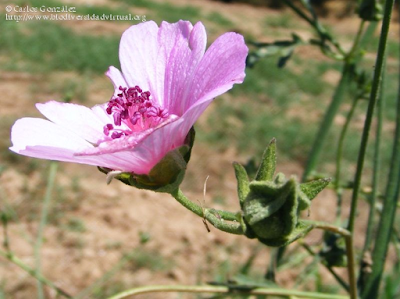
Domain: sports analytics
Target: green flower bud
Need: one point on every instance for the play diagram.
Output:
(333, 253)
(370, 10)
(271, 204)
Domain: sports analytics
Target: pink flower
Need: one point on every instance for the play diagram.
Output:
(167, 81)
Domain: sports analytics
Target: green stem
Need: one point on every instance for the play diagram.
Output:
(351, 262)
(339, 189)
(357, 40)
(351, 60)
(42, 224)
(86, 293)
(370, 112)
(12, 258)
(6, 243)
(321, 31)
(330, 269)
(299, 12)
(386, 222)
(327, 121)
(224, 290)
(376, 171)
(215, 217)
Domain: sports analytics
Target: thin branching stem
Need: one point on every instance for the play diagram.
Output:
(219, 219)
(321, 31)
(106, 277)
(370, 111)
(350, 61)
(327, 121)
(376, 171)
(385, 228)
(42, 224)
(329, 268)
(225, 290)
(372, 198)
(6, 242)
(355, 47)
(351, 262)
(339, 156)
(15, 260)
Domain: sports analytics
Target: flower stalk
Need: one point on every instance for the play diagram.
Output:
(219, 219)
(229, 290)
(15, 260)
(42, 224)
(376, 82)
(385, 228)
(339, 155)
(351, 261)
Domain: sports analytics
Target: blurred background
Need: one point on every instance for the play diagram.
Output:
(100, 239)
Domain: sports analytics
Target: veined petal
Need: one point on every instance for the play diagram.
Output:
(138, 53)
(155, 146)
(76, 118)
(117, 79)
(28, 132)
(168, 34)
(125, 143)
(39, 138)
(182, 61)
(171, 63)
(222, 66)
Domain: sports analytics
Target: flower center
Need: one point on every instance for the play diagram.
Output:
(132, 111)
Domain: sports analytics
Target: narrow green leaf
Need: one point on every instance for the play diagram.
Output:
(312, 188)
(324, 129)
(268, 164)
(242, 182)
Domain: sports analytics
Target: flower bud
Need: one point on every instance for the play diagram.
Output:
(370, 10)
(333, 253)
(271, 205)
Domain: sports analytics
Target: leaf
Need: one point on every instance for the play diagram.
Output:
(242, 182)
(267, 167)
(282, 49)
(312, 188)
(283, 59)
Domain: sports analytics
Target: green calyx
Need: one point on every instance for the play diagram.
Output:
(271, 204)
(333, 252)
(166, 175)
(370, 10)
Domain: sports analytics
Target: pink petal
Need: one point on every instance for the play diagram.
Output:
(125, 143)
(75, 118)
(182, 60)
(168, 34)
(156, 145)
(138, 52)
(36, 131)
(170, 63)
(222, 66)
(117, 79)
(39, 138)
